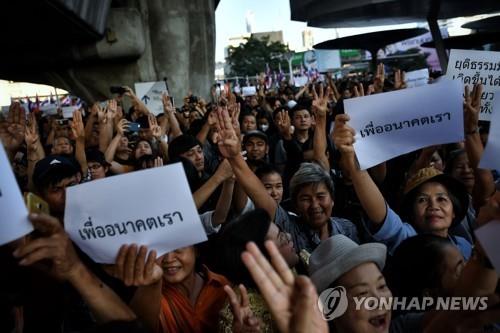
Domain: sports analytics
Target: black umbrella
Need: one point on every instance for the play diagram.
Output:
(371, 42)
(487, 24)
(466, 42)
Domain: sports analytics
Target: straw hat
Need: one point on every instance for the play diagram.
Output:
(452, 185)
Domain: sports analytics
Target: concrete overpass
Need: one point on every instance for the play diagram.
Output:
(85, 46)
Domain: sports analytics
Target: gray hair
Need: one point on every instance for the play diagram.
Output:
(309, 173)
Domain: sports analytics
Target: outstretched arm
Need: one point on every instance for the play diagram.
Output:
(55, 247)
(320, 109)
(484, 186)
(369, 195)
(230, 148)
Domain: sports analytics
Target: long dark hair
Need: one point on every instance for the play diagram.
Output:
(251, 226)
(416, 266)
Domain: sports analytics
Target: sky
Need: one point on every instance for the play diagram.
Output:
(271, 15)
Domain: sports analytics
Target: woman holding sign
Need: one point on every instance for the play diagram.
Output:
(433, 202)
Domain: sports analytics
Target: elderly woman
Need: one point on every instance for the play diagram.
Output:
(176, 293)
(433, 202)
(311, 190)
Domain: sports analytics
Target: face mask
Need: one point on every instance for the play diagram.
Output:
(264, 127)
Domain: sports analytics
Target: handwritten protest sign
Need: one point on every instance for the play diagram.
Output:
(488, 237)
(13, 213)
(153, 207)
(491, 154)
(417, 78)
(398, 122)
(474, 67)
(150, 94)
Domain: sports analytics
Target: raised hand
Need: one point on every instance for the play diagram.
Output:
(77, 126)
(167, 103)
(284, 124)
(378, 82)
(54, 246)
(101, 114)
(234, 111)
(472, 107)
(224, 170)
(158, 162)
(135, 267)
(343, 135)
(31, 135)
(320, 102)
(243, 318)
(228, 141)
(359, 90)
(156, 129)
(278, 287)
(399, 80)
(122, 127)
(13, 128)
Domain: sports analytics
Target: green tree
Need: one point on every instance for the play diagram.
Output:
(251, 58)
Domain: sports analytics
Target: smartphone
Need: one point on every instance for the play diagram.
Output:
(36, 204)
(117, 90)
(134, 127)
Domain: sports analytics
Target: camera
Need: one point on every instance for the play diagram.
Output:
(62, 122)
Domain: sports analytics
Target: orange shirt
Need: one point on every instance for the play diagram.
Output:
(179, 315)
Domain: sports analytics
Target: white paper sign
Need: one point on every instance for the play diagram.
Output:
(150, 94)
(14, 221)
(300, 81)
(417, 78)
(398, 122)
(49, 109)
(488, 236)
(67, 111)
(474, 67)
(491, 154)
(152, 207)
(249, 91)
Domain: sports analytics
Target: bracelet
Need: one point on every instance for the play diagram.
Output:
(474, 131)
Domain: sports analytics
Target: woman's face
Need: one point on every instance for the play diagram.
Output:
(283, 241)
(274, 186)
(179, 265)
(365, 280)
(462, 171)
(314, 205)
(248, 124)
(142, 148)
(433, 209)
(97, 170)
(437, 161)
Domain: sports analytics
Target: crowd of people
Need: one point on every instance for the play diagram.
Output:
(287, 210)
